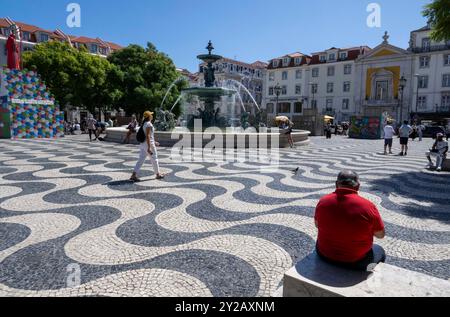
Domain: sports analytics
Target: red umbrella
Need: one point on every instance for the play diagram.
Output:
(12, 53)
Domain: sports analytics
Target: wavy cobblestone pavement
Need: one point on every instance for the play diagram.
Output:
(209, 229)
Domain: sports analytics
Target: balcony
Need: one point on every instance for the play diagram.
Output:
(433, 48)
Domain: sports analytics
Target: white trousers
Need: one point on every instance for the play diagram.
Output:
(143, 156)
(439, 158)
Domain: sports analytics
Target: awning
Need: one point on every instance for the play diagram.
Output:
(281, 119)
(328, 118)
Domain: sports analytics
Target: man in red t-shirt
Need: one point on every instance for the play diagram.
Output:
(347, 224)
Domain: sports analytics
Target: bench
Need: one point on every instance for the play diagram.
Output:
(312, 277)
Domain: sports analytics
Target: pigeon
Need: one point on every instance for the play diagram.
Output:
(296, 170)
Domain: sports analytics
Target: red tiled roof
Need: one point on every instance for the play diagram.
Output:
(352, 54)
(55, 34)
(305, 59)
(257, 64)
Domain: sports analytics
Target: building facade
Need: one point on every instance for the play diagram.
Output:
(249, 75)
(387, 81)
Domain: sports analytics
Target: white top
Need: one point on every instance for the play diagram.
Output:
(147, 125)
(405, 131)
(389, 132)
(441, 146)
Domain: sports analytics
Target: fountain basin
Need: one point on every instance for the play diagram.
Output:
(197, 139)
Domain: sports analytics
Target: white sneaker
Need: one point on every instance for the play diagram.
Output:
(430, 166)
(439, 169)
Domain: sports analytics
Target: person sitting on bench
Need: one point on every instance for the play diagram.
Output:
(347, 224)
(439, 150)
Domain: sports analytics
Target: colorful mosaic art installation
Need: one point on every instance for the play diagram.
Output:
(33, 110)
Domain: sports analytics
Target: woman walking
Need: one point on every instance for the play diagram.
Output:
(147, 147)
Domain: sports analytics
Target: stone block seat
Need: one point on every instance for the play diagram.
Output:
(446, 164)
(313, 277)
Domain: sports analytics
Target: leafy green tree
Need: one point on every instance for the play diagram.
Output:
(143, 75)
(74, 76)
(438, 14)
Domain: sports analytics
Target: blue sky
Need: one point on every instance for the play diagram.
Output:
(248, 30)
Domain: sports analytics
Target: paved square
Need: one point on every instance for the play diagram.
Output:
(206, 230)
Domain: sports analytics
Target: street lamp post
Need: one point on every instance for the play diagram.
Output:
(277, 91)
(313, 94)
(418, 87)
(402, 86)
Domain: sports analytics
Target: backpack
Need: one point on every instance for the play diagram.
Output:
(140, 136)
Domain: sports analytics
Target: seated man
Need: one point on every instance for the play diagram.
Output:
(440, 150)
(347, 224)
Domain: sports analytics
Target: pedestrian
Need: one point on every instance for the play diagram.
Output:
(328, 130)
(92, 127)
(404, 133)
(287, 126)
(148, 146)
(420, 130)
(439, 150)
(389, 133)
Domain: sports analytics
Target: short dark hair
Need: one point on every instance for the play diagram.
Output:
(348, 179)
(406, 122)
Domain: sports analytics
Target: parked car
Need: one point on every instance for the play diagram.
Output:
(432, 131)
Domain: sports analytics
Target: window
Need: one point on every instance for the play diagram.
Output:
(445, 100)
(284, 90)
(315, 72)
(424, 62)
(298, 74)
(270, 108)
(314, 88)
(44, 37)
(298, 107)
(426, 43)
(284, 107)
(330, 88)
(343, 55)
(330, 71)
(347, 69)
(332, 57)
(422, 102)
(298, 60)
(323, 58)
(26, 36)
(298, 89)
(94, 48)
(345, 104)
(271, 91)
(275, 63)
(271, 76)
(423, 82)
(284, 76)
(314, 103)
(347, 86)
(446, 80)
(447, 60)
(286, 61)
(329, 103)
(103, 51)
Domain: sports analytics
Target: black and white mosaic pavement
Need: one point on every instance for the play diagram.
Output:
(72, 225)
